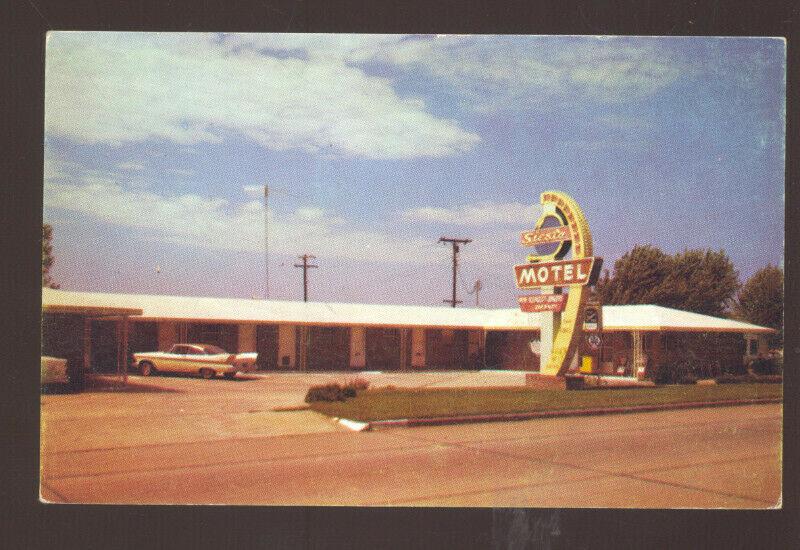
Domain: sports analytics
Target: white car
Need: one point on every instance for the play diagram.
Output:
(54, 371)
(203, 359)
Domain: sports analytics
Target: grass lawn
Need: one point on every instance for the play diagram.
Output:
(391, 404)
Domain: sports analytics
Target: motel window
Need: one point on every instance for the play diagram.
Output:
(752, 347)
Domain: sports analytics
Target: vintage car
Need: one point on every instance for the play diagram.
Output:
(203, 359)
(55, 372)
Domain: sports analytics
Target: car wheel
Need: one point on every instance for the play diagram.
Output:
(207, 373)
(229, 375)
(146, 369)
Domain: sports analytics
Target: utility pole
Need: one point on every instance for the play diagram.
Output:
(476, 290)
(455, 243)
(306, 266)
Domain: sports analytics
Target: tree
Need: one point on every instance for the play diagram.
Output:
(760, 300)
(702, 281)
(638, 278)
(47, 256)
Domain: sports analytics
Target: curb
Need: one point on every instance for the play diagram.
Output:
(291, 408)
(440, 421)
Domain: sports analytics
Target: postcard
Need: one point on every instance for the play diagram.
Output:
(413, 270)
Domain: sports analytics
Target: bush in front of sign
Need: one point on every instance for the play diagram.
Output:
(336, 392)
(328, 392)
(767, 366)
(680, 372)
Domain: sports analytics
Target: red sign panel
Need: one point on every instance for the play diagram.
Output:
(560, 273)
(535, 303)
(545, 235)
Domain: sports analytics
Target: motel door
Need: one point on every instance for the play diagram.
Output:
(267, 346)
(104, 346)
(329, 348)
(447, 349)
(383, 348)
(222, 335)
(143, 337)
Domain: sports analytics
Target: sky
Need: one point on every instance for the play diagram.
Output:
(158, 147)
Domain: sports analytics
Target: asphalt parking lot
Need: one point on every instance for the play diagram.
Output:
(187, 440)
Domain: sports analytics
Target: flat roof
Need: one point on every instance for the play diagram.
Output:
(243, 310)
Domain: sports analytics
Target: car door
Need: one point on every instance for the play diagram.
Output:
(173, 359)
(194, 360)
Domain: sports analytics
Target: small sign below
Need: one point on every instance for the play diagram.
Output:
(535, 303)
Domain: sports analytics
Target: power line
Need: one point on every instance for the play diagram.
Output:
(306, 266)
(455, 243)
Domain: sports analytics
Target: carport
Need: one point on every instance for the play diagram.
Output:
(75, 332)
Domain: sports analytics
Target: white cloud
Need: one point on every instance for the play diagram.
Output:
(492, 73)
(253, 190)
(215, 223)
(130, 166)
(482, 214)
(188, 88)
(349, 47)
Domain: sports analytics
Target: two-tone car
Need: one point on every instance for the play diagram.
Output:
(204, 359)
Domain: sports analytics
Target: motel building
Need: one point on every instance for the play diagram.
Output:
(98, 332)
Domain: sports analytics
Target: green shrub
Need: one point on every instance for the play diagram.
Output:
(325, 392)
(336, 392)
(682, 372)
(767, 366)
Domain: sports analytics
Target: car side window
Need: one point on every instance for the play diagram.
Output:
(194, 351)
(178, 350)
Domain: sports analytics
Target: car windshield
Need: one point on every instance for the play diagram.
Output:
(213, 350)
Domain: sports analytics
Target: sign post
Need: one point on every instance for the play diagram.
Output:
(561, 229)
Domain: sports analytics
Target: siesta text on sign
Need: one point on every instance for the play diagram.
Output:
(545, 235)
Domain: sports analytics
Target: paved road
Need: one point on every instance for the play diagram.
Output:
(217, 452)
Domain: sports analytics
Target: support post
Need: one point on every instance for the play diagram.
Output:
(403, 348)
(358, 354)
(550, 323)
(125, 326)
(638, 355)
(87, 345)
(287, 336)
(418, 348)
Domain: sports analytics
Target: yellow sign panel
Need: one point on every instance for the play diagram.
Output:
(568, 213)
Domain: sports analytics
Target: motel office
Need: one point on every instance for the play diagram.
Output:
(97, 332)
